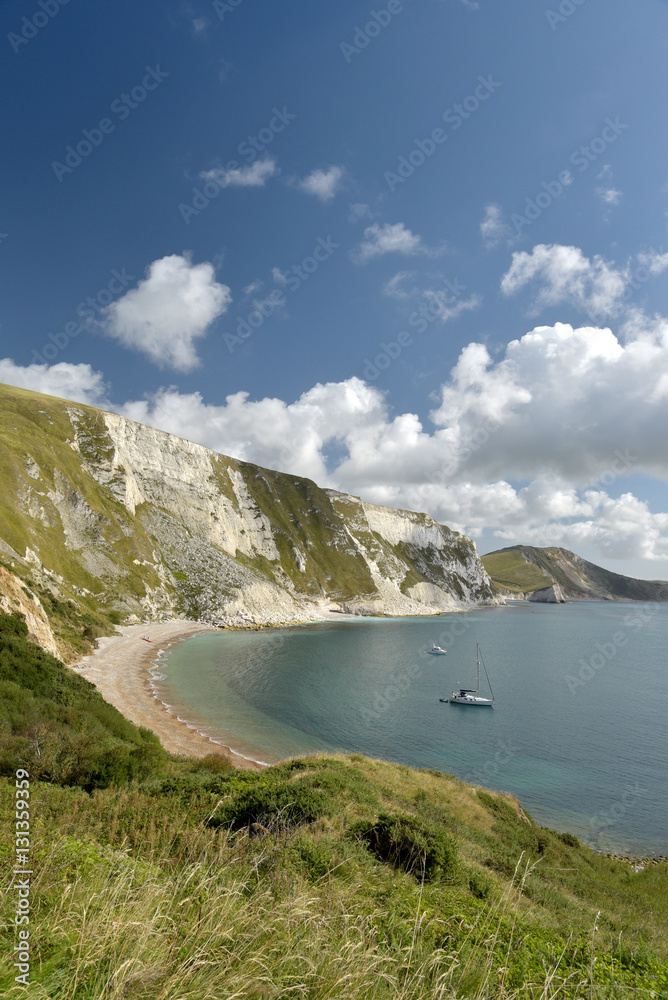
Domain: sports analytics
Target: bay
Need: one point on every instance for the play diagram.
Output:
(578, 731)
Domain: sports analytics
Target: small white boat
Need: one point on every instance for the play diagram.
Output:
(467, 696)
(436, 650)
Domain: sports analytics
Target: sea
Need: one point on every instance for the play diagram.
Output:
(578, 731)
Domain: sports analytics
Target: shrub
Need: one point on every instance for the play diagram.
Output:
(418, 847)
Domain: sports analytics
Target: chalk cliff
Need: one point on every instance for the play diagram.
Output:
(114, 515)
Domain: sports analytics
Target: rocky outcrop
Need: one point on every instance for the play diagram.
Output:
(15, 598)
(548, 595)
(127, 517)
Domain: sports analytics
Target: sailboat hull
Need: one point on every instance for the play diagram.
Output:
(471, 700)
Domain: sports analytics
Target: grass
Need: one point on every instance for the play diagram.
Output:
(510, 570)
(165, 891)
(163, 878)
(56, 724)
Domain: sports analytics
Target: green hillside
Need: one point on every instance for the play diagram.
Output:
(527, 568)
(509, 569)
(56, 724)
(330, 876)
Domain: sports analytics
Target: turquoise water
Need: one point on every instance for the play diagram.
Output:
(578, 730)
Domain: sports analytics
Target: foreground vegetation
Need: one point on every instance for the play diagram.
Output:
(325, 877)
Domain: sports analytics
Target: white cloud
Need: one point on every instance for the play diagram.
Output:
(565, 411)
(323, 184)
(524, 446)
(379, 240)
(493, 227)
(256, 175)
(596, 286)
(609, 196)
(443, 303)
(168, 311)
(395, 287)
(605, 192)
(64, 380)
(445, 306)
(358, 211)
(654, 261)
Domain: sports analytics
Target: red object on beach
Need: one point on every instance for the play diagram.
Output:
(146, 640)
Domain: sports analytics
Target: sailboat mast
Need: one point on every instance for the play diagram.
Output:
(477, 664)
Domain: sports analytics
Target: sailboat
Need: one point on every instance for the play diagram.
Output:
(466, 696)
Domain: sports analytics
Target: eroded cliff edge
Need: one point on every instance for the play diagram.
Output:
(118, 516)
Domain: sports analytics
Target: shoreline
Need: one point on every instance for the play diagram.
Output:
(120, 668)
(122, 665)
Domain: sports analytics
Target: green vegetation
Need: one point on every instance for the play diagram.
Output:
(509, 569)
(324, 877)
(55, 724)
(162, 878)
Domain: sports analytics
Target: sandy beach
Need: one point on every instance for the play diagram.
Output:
(119, 669)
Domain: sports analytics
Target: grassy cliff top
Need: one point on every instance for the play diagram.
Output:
(509, 569)
(328, 876)
(528, 568)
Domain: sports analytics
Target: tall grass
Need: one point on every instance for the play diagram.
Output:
(137, 896)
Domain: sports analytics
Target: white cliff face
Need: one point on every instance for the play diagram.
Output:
(548, 595)
(160, 526)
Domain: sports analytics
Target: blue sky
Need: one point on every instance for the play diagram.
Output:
(414, 250)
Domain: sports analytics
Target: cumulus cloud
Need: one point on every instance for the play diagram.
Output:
(256, 175)
(564, 411)
(323, 184)
(494, 227)
(523, 445)
(380, 240)
(655, 262)
(565, 275)
(168, 311)
(560, 405)
(66, 381)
